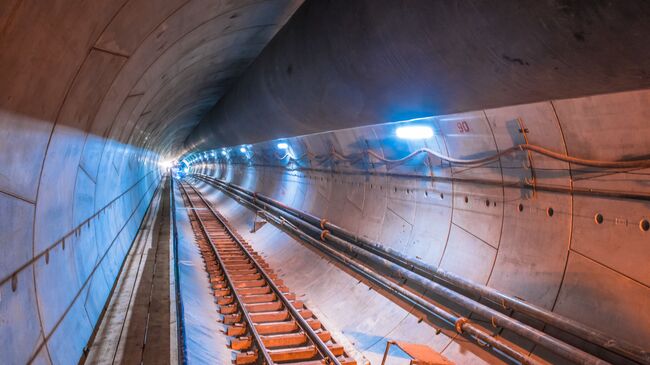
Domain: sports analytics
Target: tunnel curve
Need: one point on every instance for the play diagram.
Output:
(94, 95)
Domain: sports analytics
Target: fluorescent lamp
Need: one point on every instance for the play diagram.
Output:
(283, 146)
(242, 150)
(414, 132)
(223, 152)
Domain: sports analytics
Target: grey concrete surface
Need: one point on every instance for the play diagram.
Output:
(341, 64)
(95, 93)
(135, 326)
(565, 262)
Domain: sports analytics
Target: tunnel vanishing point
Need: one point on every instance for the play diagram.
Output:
(324, 182)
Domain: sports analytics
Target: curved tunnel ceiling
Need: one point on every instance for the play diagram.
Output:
(345, 64)
(93, 93)
(160, 64)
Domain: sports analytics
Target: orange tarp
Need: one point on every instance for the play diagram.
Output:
(422, 355)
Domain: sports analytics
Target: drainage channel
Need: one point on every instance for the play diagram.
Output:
(266, 322)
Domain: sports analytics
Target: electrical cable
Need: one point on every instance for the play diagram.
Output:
(353, 158)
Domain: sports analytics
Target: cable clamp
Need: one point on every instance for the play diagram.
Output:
(459, 324)
(323, 222)
(324, 234)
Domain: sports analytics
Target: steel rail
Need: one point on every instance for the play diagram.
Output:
(432, 272)
(551, 343)
(313, 336)
(462, 325)
(249, 320)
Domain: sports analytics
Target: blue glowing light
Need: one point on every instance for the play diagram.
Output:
(414, 132)
(223, 152)
(283, 146)
(242, 150)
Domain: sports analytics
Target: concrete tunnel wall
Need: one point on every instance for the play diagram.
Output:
(567, 262)
(93, 94)
(342, 64)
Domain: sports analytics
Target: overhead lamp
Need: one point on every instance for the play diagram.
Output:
(223, 152)
(414, 132)
(166, 164)
(242, 150)
(283, 146)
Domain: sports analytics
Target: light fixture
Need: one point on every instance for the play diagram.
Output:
(242, 150)
(414, 132)
(223, 152)
(166, 164)
(283, 146)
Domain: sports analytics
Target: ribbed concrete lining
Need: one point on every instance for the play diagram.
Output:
(93, 94)
(341, 64)
(567, 262)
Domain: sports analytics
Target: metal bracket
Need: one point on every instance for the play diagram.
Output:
(533, 179)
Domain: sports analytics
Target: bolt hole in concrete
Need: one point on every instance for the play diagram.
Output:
(644, 225)
(549, 211)
(442, 196)
(426, 193)
(520, 207)
(599, 218)
(487, 202)
(466, 200)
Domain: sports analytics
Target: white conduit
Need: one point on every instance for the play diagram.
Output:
(640, 163)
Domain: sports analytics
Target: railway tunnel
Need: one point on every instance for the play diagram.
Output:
(289, 182)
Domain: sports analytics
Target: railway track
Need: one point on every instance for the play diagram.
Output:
(265, 321)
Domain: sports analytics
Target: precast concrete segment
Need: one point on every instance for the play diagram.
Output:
(489, 223)
(388, 264)
(263, 317)
(135, 326)
(73, 279)
(330, 232)
(363, 315)
(89, 103)
(338, 64)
